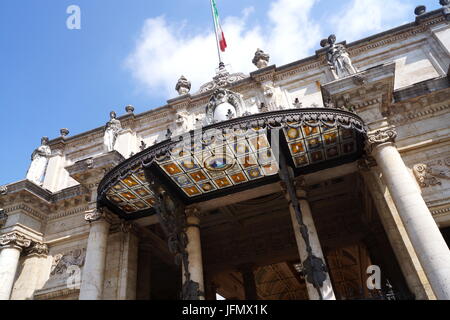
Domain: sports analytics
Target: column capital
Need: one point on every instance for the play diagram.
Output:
(94, 215)
(194, 212)
(14, 239)
(37, 249)
(379, 137)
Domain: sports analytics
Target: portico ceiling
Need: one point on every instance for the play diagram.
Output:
(231, 156)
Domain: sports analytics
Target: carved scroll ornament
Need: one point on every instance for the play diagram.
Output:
(428, 175)
(380, 137)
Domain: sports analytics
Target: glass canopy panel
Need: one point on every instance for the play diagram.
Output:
(312, 145)
(132, 193)
(234, 153)
(220, 162)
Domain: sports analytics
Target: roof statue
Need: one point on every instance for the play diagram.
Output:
(338, 58)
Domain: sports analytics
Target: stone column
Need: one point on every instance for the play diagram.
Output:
(11, 245)
(94, 267)
(249, 282)
(194, 249)
(396, 233)
(423, 232)
(326, 291)
(30, 278)
(128, 263)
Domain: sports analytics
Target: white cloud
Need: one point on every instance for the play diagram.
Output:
(164, 51)
(360, 18)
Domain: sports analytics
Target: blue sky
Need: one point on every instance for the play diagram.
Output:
(133, 51)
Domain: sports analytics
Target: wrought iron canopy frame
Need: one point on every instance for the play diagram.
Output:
(272, 121)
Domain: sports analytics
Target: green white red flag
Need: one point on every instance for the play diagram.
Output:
(219, 31)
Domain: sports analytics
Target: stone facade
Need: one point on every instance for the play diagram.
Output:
(402, 82)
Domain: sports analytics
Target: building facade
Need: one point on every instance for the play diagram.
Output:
(327, 178)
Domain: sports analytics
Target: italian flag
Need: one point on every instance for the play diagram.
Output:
(219, 31)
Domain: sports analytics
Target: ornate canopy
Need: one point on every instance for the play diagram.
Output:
(232, 156)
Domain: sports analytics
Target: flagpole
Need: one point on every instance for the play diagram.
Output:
(215, 31)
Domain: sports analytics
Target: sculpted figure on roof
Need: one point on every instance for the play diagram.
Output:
(112, 129)
(39, 161)
(338, 59)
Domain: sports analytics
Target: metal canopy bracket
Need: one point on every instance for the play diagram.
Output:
(171, 215)
(314, 268)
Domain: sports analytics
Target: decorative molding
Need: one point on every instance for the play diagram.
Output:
(27, 209)
(379, 137)
(66, 213)
(31, 187)
(223, 97)
(3, 190)
(367, 103)
(440, 211)
(222, 79)
(399, 37)
(408, 117)
(52, 294)
(15, 239)
(316, 65)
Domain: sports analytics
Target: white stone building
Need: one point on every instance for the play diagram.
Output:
(288, 184)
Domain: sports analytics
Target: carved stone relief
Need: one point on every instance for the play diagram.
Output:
(223, 105)
(62, 261)
(432, 173)
(272, 96)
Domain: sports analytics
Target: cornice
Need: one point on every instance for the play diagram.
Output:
(67, 213)
(415, 115)
(23, 207)
(390, 36)
(30, 187)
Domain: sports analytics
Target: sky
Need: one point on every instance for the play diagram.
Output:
(133, 52)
